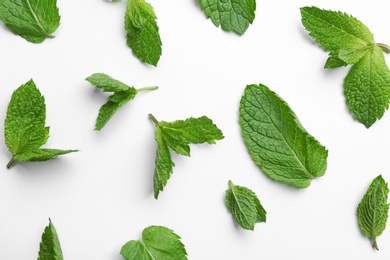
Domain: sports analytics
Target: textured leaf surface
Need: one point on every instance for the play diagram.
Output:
(373, 210)
(338, 32)
(158, 243)
(34, 20)
(24, 126)
(231, 15)
(178, 135)
(244, 206)
(276, 140)
(50, 248)
(367, 87)
(142, 31)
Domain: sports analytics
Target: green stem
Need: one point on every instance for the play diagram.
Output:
(384, 47)
(147, 88)
(9, 164)
(153, 119)
(374, 244)
(231, 185)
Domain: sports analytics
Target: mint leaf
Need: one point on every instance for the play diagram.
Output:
(158, 243)
(24, 126)
(232, 15)
(367, 87)
(178, 135)
(373, 210)
(34, 20)
(244, 206)
(142, 31)
(276, 140)
(122, 94)
(50, 248)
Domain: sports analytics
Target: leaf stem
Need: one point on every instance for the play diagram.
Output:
(374, 244)
(147, 88)
(384, 47)
(153, 119)
(231, 185)
(9, 164)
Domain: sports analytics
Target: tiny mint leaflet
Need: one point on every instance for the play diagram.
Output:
(373, 210)
(244, 206)
(24, 126)
(34, 20)
(276, 140)
(122, 94)
(231, 15)
(157, 243)
(177, 136)
(142, 31)
(349, 41)
(50, 248)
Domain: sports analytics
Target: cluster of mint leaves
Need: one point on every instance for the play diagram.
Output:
(275, 138)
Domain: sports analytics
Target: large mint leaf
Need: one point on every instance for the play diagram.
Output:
(231, 15)
(157, 243)
(276, 140)
(373, 210)
(34, 20)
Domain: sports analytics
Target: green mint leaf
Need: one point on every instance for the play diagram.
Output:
(178, 135)
(50, 248)
(24, 126)
(232, 15)
(34, 20)
(336, 31)
(142, 31)
(244, 206)
(276, 140)
(334, 61)
(157, 243)
(367, 87)
(373, 210)
(122, 95)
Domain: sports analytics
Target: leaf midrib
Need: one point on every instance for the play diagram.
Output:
(37, 19)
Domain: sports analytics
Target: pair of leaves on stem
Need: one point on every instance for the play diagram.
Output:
(367, 85)
(373, 210)
(143, 33)
(24, 128)
(276, 140)
(34, 20)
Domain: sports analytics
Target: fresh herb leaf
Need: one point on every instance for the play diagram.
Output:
(373, 210)
(158, 243)
(142, 31)
(178, 135)
(34, 20)
(367, 85)
(24, 126)
(122, 94)
(232, 15)
(50, 248)
(277, 141)
(244, 206)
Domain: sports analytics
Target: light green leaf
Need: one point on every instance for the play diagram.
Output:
(157, 243)
(24, 126)
(142, 31)
(232, 15)
(367, 87)
(34, 20)
(277, 141)
(334, 61)
(244, 206)
(373, 210)
(178, 135)
(122, 94)
(336, 31)
(50, 248)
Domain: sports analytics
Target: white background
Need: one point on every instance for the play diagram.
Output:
(101, 197)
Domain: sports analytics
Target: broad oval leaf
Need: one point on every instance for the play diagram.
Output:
(276, 140)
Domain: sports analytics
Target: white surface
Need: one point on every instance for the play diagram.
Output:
(101, 197)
